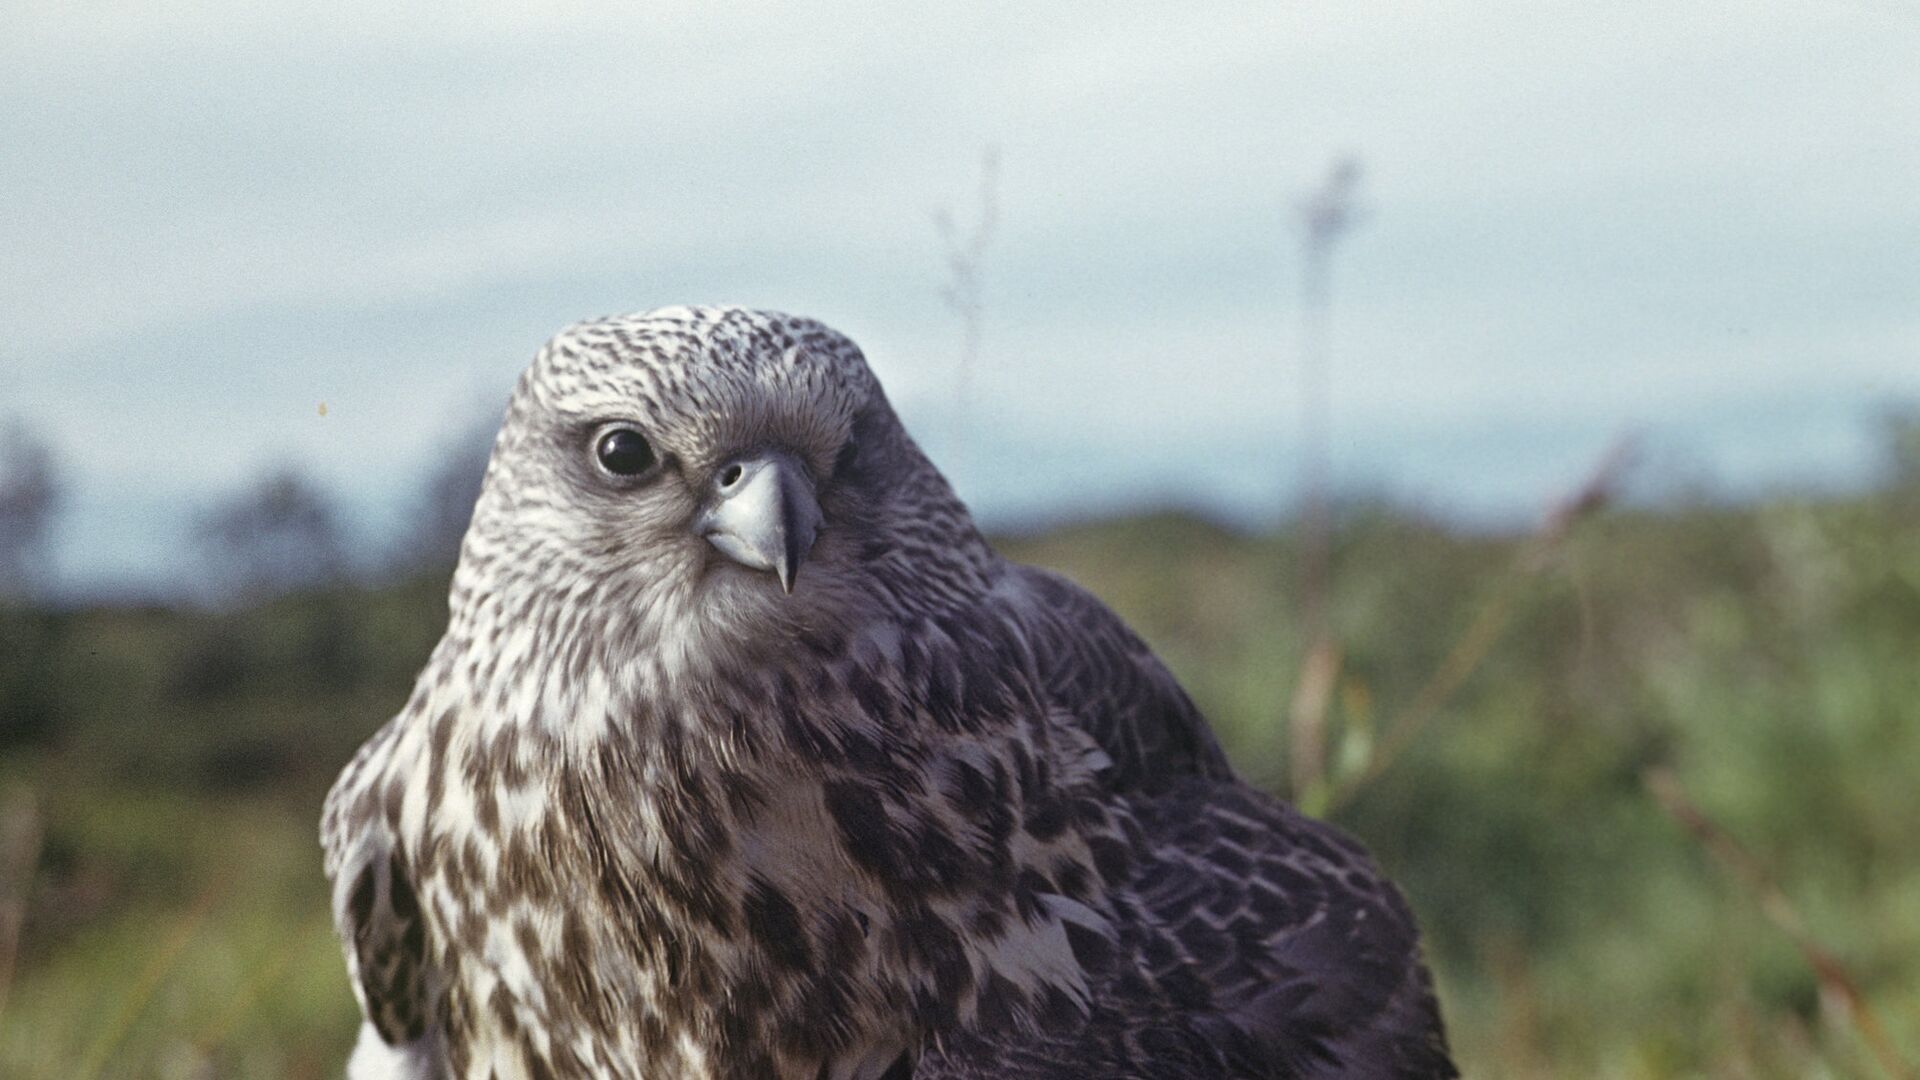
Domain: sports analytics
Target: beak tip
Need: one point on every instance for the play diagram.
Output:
(766, 519)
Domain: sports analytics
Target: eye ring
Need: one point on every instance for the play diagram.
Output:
(622, 450)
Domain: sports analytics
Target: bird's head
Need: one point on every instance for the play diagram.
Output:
(709, 469)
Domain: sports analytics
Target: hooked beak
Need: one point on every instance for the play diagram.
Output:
(763, 514)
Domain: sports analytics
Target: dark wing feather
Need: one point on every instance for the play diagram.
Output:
(1101, 673)
(387, 950)
(1269, 944)
(1115, 1043)
(1265, 945)
(375, 907)
(1303, 946)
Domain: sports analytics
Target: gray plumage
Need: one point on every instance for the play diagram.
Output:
(744, 755)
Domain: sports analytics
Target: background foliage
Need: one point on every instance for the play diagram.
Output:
(162, 911)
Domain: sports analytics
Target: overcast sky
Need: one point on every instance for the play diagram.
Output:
(1701, 220)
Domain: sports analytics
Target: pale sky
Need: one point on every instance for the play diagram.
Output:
(1697, 220)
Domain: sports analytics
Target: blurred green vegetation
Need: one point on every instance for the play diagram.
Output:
(161, 772)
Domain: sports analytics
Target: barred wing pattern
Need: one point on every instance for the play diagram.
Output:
(1252, 942)
(1117, 690)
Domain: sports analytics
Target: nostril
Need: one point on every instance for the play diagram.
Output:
(730, 476)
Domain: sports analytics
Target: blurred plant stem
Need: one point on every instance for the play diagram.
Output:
(111, 1035)
(263, 980)
(1328, 214)
(964, 291)
(1472, 647)
(1839, 991)
(1307, 717)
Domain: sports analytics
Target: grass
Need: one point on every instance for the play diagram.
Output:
(176, 935)
(1762, 661)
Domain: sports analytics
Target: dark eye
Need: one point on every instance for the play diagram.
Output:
(624, 452)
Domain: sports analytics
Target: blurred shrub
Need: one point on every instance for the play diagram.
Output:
(280, 533)
(30, 640)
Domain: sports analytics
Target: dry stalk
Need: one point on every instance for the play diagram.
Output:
(1307, 718)
(1328, 214)
(255, 989)
(1838, 988)
(964, 291)
(1473, 646)
(111, 1035)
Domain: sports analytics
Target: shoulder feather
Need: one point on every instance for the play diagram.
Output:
(1098, 671)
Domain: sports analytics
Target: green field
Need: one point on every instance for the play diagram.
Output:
(161, 772)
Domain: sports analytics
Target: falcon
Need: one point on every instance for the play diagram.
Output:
(744, 755)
